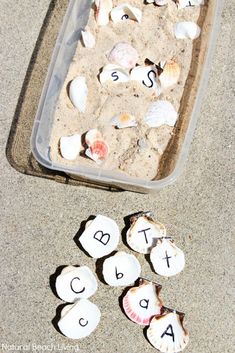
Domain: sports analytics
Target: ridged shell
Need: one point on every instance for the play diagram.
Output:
(78, 92)
(187, 30)
(125, 12)
(142, 303)
(148, 76)
(170, 75)
(70, 146)
(88, 39)
(103, 9)
(167, 259)
(123, 54)
(167, 334)
(100, 237)
(98, 151)
(113, 73)
(159, 113)
(75, 283)
(124, 120)
(186, 3)
(79, 320)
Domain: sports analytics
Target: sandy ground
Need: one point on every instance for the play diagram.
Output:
(39, 219)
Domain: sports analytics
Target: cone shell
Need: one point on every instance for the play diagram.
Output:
(143, 233)
(167, 259)
(122, 269)
(75, 283)
(103, 9)
(161, 112)
(167, 334)
(114, 74)
(187, 30)
(88, 39)
(78, 92)
(124, 120)
(170, 75)
(79, 320)
(186, 3)
(123, 54)
(70, 146)
(142, 303)
(125, 12)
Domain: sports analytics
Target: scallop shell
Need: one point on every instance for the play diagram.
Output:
(79, 320)
(78, 92)
(167, 259)
(124, 120)
(100, 237)
(75, 283)
(88, 39)
(170, 75)
(186, 3)
(103, 9)
(70, 146)
(159, 113)
(167, 333)
(187, 30)
(123, 54)
(142, 303)
(92, 135)
(98, 151)
(122, 269)
(144, 232)
(113, 73)
(125, 12)
(148, 76)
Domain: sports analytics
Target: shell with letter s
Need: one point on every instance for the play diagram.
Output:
(113, 73)
(147, 75)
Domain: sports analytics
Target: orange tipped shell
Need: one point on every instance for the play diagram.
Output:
(170, 75)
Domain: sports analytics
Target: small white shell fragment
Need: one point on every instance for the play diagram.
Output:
(125, 12)
(158, 2)
(144, 232)
(100, 237)
(122, 269)
(123, 54)
(146, 75)
(92, 135)
(70, 146)
(167, 259)
(103, 9)
(75, 283)
(170, 74)
(187, 30)
(78, 92)
(142, 303)
(79, 320)
(113, 73)
(167, 333)
(88, 39)
(124, 120)
(161, 112)
(186, 3)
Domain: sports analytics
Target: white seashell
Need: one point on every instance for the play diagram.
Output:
(122, 269)
(186, 3)
(92, 135)
(187, 30)
(123, 121)
(147, 76)
(142, 303)
(158, 2)
(103, 9)
(113, 73)
(78, 92)
(101, 237)
(143, 233)
(70, 146)
(170, 75)
(161, 113)
(75, 283)
(167, 259)
(79, 320)
(88, 39)
(125, 12)
(167, 333)
(123, 54)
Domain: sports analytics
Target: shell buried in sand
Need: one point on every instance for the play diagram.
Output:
(126, 12)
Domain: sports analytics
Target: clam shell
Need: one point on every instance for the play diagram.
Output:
(88, 39)
(92, 135)
(79, 320)
(170, 75)
(142, 303)
(148, 76)
(143, 234)
(100, 237)
(98, 151)
(75, 283)
(186, 3)
(103, 9)
(78, 92)
(187, 30)
(167, 259)
(124, 120)
(159, 113)
(123, 54)
(70, 146)
(158, 2)
(122, 269)
(113, 73)
(167, 333)
(125, 12)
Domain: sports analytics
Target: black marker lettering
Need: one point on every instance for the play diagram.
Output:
(125, 17)
(144, 230)
(115, 76)
(71, 286)
(82, 324)
(144, 303)
(149, 73)
(104, 238)
(171, 333)
(167, 259)
(119, 275)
